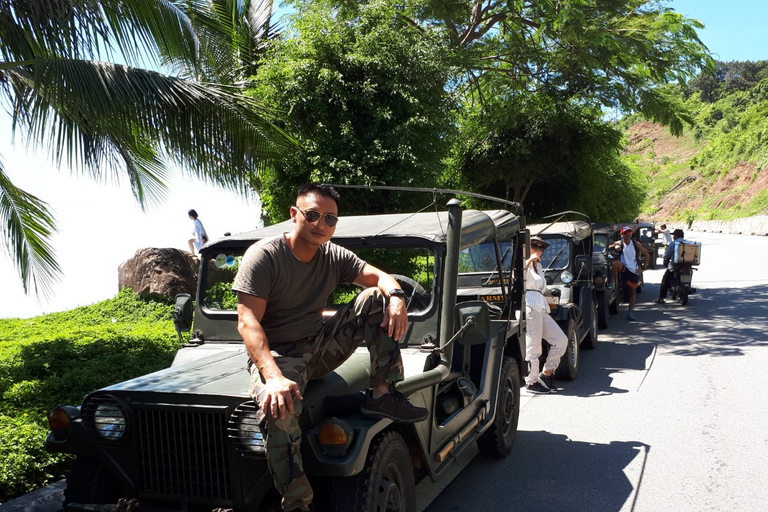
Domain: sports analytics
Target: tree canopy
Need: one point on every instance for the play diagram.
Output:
(531, 82)
(366, 98)
(546, 155)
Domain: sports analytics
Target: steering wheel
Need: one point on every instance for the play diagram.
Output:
(417, 298)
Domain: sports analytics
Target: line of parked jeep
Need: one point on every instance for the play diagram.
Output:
(186, 438)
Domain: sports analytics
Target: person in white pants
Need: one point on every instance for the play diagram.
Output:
(540, 325)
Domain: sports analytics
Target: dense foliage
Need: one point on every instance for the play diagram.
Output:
(365, 96)
(59, 358)
(724, 151)
(367, 85)
(547, 155)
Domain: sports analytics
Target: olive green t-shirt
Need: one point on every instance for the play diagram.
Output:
(296, 292)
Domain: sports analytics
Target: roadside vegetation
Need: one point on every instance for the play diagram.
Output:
(717, 168)
(60, 357)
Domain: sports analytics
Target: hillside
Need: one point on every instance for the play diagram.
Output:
(679, 186)
(715, 170)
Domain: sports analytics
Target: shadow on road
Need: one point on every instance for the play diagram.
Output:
(597, 368)
(546, 472)
(715, 322)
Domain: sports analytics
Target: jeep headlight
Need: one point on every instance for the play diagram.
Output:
(244, 426)
(566, 277)
(109, 420)
(105, 416)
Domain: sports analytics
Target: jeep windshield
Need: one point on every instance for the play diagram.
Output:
(557, 255)
(601, 243)
(413, 267)
(646, 234)
(482, 258)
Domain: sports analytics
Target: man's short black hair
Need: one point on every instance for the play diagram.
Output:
(321, 190)
(663, 226)
(192, 212)
(678, 233)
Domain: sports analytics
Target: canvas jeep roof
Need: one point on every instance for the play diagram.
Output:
(605, 227)
(577, 229)
(477, 226)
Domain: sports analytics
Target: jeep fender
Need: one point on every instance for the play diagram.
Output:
(316, 462)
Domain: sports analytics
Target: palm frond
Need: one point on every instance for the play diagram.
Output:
(26, 227)
(234, 34)
(98, 115)
(97, 29)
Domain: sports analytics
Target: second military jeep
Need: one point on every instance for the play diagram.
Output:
(567, 264)
(186, 438)
(645, 233)
(608, 294)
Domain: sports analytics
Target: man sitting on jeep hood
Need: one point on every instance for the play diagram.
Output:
(283, 285)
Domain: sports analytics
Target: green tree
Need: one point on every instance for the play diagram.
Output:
(233, 36)
(66, 94)
(365, 92)
(546, 155)
(612, 53)
(563, 63)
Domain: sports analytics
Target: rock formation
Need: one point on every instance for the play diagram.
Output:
(159, 272)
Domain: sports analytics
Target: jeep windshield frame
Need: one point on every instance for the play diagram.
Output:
(215, 317)
(558, 255)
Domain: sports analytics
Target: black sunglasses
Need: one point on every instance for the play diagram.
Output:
(537, 246)
(312, 216)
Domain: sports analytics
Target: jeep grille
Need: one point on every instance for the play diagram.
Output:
(184, 453)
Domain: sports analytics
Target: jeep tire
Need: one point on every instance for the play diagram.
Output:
(569, 363)
(590, 340)
(385, 483)
(416, 294)
(90, 482)
(602, 309)
(498, 440)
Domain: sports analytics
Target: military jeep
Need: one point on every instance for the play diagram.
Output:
(567, 264)
(186, 438)
(607, 294)
(645, 233)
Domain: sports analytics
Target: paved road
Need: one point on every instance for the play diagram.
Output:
(667, 414)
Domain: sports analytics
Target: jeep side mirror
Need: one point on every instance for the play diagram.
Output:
(472, 317)
(182, 313)
(581, 269)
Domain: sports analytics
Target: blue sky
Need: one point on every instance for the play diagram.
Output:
(100, 225)
(734, 29)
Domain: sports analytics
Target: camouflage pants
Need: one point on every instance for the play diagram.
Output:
(311, 359)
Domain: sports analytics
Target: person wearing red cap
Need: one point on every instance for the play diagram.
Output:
(629, 265)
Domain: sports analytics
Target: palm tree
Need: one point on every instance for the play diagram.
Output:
(62, 85)
(233, 36)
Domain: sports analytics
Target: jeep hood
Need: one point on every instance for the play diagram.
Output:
(224, 373)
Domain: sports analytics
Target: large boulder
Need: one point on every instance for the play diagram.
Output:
(159, 272)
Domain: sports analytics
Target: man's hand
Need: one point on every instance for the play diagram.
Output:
(278, 396)
(395, 318)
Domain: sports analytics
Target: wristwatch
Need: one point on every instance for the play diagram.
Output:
(396, 292)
